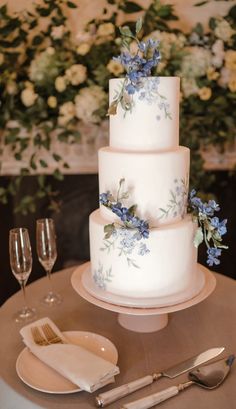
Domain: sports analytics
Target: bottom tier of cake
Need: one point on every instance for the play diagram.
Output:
(163, 265)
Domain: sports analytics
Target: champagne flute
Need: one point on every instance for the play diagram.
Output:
(21, 266)
(47, 254)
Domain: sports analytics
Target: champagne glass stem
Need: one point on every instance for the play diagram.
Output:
(49, 275)
(22, 284)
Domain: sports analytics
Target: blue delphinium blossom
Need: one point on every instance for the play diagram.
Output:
(138, 66)
(104, 197)
(219, 225)
(144, 229)
(213, 254)
(212, 228)
(130, 88)
(207, 208)
(121, 212)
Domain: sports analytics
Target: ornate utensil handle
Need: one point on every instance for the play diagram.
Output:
(152, 400)
(155, 398)
(114, 394)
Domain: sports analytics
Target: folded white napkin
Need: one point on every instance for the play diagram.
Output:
(83, 368)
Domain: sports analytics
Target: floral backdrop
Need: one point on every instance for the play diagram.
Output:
(54, 84)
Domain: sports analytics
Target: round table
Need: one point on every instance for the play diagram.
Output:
(208, 324)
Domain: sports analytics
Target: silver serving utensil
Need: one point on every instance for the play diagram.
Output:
(209, 377)
(114, 394)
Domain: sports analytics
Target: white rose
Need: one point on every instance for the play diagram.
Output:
(189, 87)
(76, 74)
(11, 88)
(83, 48)
(204, 93)
(60, 84)
(50, 51)
(28, 97)
(196, 62)
(66, 113)
(1, 58)
(28, 84)
(224, 77)
(58, 32)
(218, 51)
(105, 30)
(230, 60)
(212, 74)
(84, 37)
(115, 67)
(52, 101)
(227, 78)
(88, 101)
(223, 30)
(232, 84)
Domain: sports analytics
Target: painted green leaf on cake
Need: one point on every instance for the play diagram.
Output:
(198, 238)
(108, 230)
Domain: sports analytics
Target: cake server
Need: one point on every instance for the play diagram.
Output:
(209, 377)
(114, 394)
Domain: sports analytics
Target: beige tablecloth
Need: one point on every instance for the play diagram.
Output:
(210, 323)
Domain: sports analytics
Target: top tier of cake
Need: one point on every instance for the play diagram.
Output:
(153, 124)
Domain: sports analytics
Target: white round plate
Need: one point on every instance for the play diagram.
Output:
(148, 302)
(77, 284)
(41, 377)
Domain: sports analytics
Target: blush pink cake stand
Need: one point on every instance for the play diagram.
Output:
(145, 319)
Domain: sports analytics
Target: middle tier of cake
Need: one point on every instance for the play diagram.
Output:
(156, 181)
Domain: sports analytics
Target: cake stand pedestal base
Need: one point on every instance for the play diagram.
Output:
(148, 323)
(146, 319)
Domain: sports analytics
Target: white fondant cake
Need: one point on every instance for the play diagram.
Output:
(144, 152)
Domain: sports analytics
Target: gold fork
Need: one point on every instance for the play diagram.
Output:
(38, 337)
(51, 335)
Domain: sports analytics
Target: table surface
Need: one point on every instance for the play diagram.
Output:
(210, 323)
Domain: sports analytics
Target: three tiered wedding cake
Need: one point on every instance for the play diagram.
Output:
(141, 238)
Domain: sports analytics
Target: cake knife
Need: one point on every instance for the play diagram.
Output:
(114, 394)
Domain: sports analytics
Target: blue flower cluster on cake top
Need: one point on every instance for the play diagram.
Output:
(210, 229)
(138, 67)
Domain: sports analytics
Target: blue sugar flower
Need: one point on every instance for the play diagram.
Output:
(153, 43)
(124, 215)
(134, 222)
(144, 229)
(135, 76)
(213, 254)
(130, 89)
(210, 207)
(214, 205)
(116, 208)
(207, 208)
(191, 194)
(220, 226)
(212, 228)
(104, 198)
